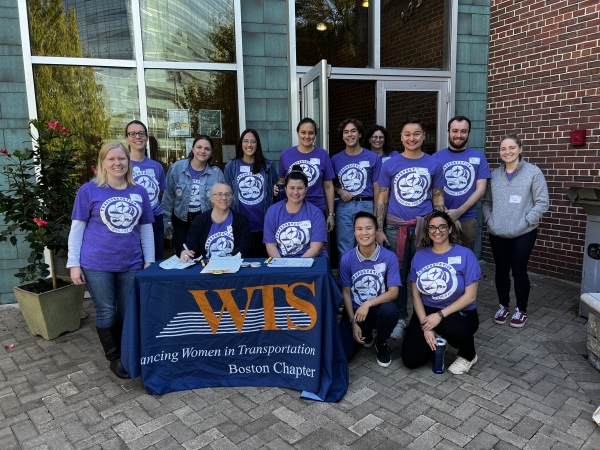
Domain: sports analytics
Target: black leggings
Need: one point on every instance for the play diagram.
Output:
(512, 255)
(457, 328)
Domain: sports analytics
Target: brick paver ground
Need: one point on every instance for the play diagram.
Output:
(531, 389)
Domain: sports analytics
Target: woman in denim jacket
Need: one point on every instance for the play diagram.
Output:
(188, 185)
(252, 178)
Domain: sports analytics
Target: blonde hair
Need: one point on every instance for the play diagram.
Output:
(101, 178)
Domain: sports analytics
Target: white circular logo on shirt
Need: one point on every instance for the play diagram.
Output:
(120, 214)
(353, 178)
(195, 197)
(366, 284)
(460, 176)
(310, 170)
(251, 188)
(411, 186)
(437, 280)
(147, 182)
(292, 236)
(219, 244)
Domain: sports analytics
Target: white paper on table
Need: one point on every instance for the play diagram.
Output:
(175, 263)
(224, 264)
(291, 262)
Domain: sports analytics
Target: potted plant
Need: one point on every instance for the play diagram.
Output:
(39, 188)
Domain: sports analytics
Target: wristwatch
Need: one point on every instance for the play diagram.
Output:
(331, 214)
(441, 314)
(352, 320)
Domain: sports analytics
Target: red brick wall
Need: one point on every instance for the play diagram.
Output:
(412, 36)
(543, 82)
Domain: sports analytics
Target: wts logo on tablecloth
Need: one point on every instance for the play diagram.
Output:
(290, 313)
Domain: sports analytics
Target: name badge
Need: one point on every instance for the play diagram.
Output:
(305, 224)
(422, 171)
(515, 199)
(136, 198)
(364, 164)
(245, 169)
(315, 161)
(379, 268)
(454, 260)
(474, 160)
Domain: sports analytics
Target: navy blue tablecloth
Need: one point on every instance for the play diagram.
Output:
(259, 327)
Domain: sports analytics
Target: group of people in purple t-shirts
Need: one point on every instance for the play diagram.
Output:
(399, 217)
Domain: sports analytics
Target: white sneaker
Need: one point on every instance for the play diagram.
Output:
(399, 330)
(461, 365)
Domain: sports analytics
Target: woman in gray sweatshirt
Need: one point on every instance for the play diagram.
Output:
(514, 202)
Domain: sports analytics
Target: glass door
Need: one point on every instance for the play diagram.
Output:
(314, 100)
(427, 100)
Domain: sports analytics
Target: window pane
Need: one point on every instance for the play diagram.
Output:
(94, 102)
(188, 30)
(336, 31)
(81, 28)
(414, 33)
(203, 98)
(400, 105)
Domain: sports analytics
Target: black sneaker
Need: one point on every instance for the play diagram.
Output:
(384, 358)
(368, 340)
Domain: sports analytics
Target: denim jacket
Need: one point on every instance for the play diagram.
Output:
(231, 170)
(176, 199)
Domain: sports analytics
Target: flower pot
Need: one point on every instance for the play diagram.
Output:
(52, 313)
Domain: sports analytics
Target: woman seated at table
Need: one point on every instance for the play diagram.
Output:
(219, 231)
(445, 277)
(295, 228)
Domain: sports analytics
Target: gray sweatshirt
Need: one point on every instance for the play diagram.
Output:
(514, 207)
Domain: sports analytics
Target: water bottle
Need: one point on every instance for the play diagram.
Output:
(438, 356)
(281, 195)
(169, 231)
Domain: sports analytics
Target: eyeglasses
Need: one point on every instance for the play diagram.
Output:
(246, 141)
(222, 194)
(378, 138)
(442, 228)
(133, 134)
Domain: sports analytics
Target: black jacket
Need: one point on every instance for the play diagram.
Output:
(198, 234)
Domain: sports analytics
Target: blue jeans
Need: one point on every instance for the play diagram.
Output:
(344, 223)
(409, 252)
(382, 317)
(159, 237)
(110, 292)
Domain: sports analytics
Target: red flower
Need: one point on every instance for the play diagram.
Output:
(40, 222)
(63, 130)
(94, 169)
(54, 125)
(5, 152)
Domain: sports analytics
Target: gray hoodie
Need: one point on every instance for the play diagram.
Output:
(514, 207)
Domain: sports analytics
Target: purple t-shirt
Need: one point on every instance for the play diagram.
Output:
(220, 238)
(150, 175)
(356, 173)
(410, 182)
(195, 196)
(385, 158)
(293, 233)
(369, 279)
(111, 240)
(442, 279)
(317, 168)
(251, 194)
(462, 169)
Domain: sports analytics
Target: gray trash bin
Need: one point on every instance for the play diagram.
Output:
(589, 200)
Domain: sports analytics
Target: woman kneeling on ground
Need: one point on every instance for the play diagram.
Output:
(445, 277)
